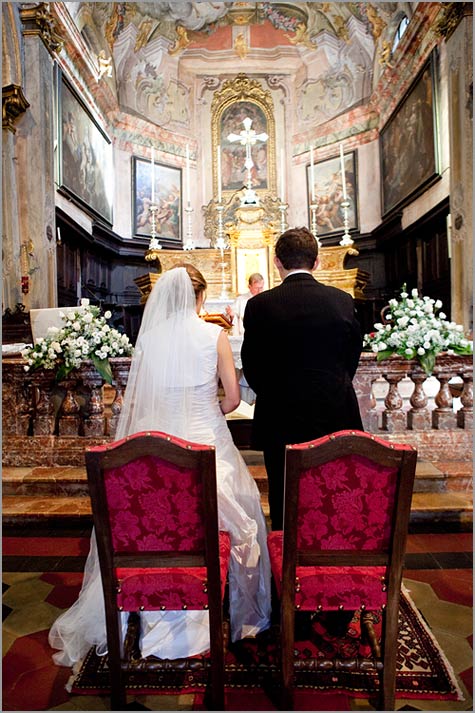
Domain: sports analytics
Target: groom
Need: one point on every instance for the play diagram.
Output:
(301, 348)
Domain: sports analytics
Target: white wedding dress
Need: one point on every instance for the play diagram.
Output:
(187, 407)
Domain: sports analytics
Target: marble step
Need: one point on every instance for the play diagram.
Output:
(427, 508)
(450, 476)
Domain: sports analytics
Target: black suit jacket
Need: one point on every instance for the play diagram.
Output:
(301, 348)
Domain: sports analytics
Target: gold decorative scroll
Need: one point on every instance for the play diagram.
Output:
(14, 103)
(37, 19)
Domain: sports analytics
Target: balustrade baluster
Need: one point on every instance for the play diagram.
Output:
(418, 417)
(43, 420)
(24, 401)
(120, 371)
(94, 423)
(69, 418)
(394, 418)
(465, 415)
(443, 416)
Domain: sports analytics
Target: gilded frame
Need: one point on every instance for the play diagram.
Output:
(85, 155)
(234, 98)
(409, 142)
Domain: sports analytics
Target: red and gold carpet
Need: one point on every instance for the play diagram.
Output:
(423, 671)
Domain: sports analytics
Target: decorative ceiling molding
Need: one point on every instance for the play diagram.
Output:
(14, 103)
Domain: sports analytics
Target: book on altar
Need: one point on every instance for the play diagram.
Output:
(221, 320)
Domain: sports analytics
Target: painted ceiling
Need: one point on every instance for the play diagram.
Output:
(146, 50)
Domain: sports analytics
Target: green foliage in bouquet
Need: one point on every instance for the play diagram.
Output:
(85, 335)
(416, 329)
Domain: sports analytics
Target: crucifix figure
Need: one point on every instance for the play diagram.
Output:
(248, 137)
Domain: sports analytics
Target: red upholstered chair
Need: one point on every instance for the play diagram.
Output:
(346, 514)
(155, 514)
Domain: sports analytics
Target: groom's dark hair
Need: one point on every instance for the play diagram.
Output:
(297, 248)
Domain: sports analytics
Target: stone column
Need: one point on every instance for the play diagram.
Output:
(34, 149)
(14, 103)
(456, 26)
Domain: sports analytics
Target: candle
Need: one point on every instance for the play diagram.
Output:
(59, 235)
(342, 165)
(187, 174)
(219, 174)
(153, 175)
(282, 175)
(312, 174)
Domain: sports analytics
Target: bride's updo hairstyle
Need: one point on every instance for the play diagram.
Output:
(197, 280)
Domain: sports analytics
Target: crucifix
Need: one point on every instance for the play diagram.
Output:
(248, 137)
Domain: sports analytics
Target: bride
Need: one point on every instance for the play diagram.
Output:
(173, 387)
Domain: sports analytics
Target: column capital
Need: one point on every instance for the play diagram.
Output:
(14, 103)
(451, 16)
(38, 19)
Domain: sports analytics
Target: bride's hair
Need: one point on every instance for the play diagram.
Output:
(197, 280)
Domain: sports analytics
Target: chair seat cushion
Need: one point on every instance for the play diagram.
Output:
(330, 588)
(169, 588)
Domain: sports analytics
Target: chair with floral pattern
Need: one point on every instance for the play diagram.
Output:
(347, 507)
(154, 507)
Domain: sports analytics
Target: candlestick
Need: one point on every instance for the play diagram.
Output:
(312, 174)
(313, 209)
(221, 244)
(282, 176)
(188, 191)
(218, 169)
(189, 245)
(153, 246)
(342, 166)
(346, 238)
(153, 175)
(283, 225)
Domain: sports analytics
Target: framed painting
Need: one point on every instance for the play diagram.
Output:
(233, 153)
(408, 143)
(167, 192)
(236, 100)
(328, 186)
(86, 172)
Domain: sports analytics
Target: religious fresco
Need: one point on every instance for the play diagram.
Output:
(166, 195)
(328, 186)
(408, 145)
(85, 157)
(233, 154)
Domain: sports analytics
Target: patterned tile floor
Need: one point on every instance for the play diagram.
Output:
(438, 575)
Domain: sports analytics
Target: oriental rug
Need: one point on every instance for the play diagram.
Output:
(422, 668)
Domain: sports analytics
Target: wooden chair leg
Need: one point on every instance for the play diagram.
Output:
(217, 664)
(389, 641)
(287, 633)
(117, 675)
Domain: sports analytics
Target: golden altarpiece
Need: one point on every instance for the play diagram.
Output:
(248, 230)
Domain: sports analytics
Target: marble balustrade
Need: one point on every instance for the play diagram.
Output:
(46, 423)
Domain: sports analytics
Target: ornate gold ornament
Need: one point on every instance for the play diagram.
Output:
(182, 40)
(301, 37)
(14, 103)
(242, 88)
(451, 17)
(240, 46)
(37, 19)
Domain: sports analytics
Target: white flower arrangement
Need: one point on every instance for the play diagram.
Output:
(85, 335)
(415, 331)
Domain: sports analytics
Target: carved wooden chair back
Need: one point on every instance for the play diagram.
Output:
(347, 507)
(155, 513)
